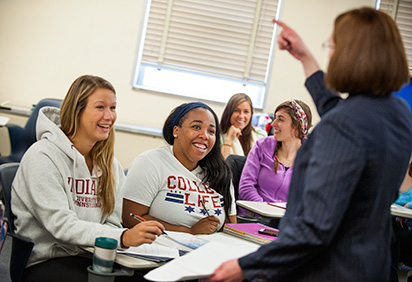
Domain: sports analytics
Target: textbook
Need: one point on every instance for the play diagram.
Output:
(249, 231)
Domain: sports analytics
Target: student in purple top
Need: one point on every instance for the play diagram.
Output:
(269, 166)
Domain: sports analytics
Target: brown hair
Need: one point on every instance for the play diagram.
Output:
(287, 105)
(246, 137)
(102, 152)
(369, 57)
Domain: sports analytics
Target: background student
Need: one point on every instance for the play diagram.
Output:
(238, 134)
(169, 184)
(338, 224)
(67, 189)
(269, 166)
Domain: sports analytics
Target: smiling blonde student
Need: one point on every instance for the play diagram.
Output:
(67, 189)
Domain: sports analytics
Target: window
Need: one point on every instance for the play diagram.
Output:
(208, 49)
(401, 11)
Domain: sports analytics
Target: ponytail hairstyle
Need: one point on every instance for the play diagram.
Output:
(216, 172)
(102, 152)
(301, 120)
(246, 137)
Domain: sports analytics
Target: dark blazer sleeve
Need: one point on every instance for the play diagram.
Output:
(324, 98)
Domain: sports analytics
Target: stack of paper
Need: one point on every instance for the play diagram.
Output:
(202, 262)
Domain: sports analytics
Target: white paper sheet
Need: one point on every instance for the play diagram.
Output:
(202, 262)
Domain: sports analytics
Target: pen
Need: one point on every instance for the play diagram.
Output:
(141, 219)
(204, 207)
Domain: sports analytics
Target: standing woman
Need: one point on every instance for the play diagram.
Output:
(169, 184)
(238, 134)
(337, 226)
(269, 166)
(67, 189)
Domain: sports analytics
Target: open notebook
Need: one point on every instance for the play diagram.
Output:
(166, 247)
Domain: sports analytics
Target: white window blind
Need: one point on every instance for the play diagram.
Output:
(218, 41)
(401, 11)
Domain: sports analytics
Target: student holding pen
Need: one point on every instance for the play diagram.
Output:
(337, 226)
(67, 189)
(185, 186)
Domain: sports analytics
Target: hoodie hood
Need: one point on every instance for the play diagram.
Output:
(48, 127)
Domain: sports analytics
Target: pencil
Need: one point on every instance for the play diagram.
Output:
(204, 207)
(141, 219)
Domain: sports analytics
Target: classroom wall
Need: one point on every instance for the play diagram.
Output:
(46, 44)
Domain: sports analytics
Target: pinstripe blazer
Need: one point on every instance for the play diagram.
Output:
(337, 225)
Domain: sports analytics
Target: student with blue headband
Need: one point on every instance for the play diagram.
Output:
(186, 186)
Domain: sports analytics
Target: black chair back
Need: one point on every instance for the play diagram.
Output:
(21, 248)
(22, 138)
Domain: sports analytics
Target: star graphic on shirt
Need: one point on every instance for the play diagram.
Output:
(202, 211)
(218, 212)
(189, 209)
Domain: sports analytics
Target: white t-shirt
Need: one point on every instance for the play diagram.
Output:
(157, 179)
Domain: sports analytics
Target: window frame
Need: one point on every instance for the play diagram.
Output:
(224, 86)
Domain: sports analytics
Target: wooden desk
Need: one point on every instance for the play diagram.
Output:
(262, 208)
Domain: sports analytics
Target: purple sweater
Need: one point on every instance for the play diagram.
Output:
(259, 181)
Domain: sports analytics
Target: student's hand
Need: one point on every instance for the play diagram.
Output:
(144, 232)
(289, 40)
(206, 225)
(233, 133)
(229, 271)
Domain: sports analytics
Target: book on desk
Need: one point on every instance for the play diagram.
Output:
(250, 232)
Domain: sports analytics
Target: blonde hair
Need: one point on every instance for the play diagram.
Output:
(102, 152)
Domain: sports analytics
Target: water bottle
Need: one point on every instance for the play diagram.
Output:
(104, 254)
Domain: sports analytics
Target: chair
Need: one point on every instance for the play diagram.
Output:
(236, 164)
(22, 138)
(21, 248)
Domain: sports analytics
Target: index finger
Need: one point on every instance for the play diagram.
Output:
(281, 24)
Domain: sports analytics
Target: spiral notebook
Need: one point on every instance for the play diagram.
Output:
(249, 231)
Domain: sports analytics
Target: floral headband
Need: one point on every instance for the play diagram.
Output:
(301, 115)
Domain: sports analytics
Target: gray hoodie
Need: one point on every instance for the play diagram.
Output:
(54, 196)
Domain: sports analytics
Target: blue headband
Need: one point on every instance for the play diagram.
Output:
(184, 109)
